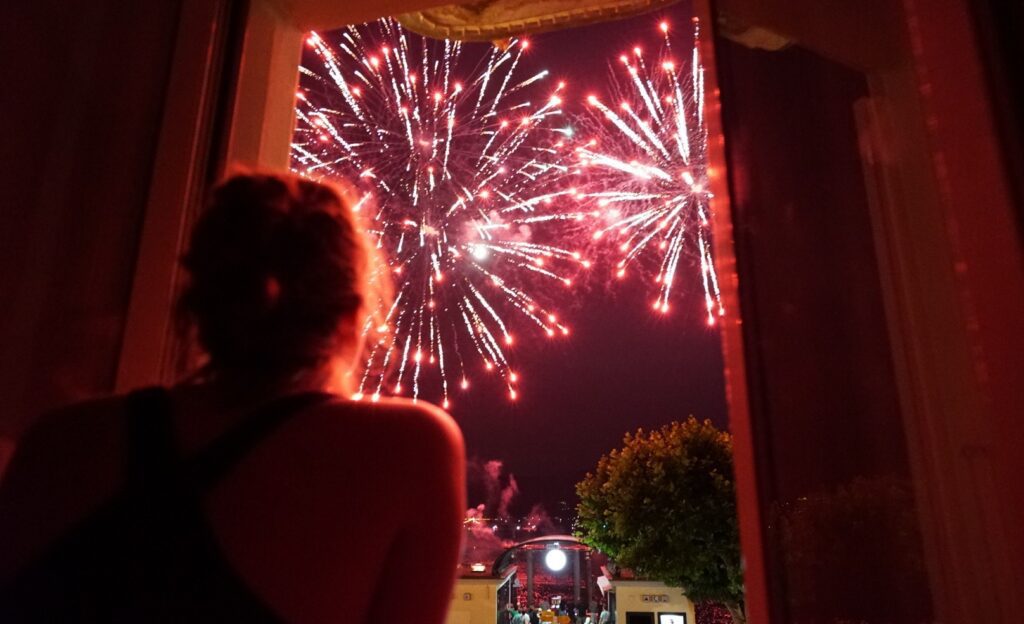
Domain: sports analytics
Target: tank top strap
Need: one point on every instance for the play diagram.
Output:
(211, 464)
(151, 454)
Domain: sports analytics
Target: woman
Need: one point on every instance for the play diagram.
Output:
(250, 492)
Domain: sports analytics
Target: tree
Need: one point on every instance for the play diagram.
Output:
(664, 505)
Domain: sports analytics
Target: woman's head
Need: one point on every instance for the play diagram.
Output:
(278, 277)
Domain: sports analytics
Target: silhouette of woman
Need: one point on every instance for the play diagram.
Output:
(251, 492)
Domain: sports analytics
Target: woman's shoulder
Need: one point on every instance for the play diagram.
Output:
(85, 439)
(397, 421)
(73, 428)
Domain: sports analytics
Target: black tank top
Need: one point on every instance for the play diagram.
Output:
(149, 553)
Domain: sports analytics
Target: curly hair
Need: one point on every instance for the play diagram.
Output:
(279, 276)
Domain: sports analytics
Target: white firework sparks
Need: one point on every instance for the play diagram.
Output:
(461, 175)
(648, 163)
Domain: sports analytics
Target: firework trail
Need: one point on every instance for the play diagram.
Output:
(647, 163)
(460, 171)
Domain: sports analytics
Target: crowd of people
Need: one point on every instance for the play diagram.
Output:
(569, 614)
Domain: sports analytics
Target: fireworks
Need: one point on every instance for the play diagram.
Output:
(648, 167)
(459, 164)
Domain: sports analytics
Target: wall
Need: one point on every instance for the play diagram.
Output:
(629, 597)
(480, 608)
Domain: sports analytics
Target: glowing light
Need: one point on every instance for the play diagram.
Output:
(649, 176)
(555, 559)
(462, 199)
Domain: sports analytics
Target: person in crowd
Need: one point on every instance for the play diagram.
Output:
(254, 490)
(534, 616)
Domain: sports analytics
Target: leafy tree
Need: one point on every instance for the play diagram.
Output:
(664, 505)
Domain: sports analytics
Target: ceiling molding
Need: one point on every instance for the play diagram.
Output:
(492, 20)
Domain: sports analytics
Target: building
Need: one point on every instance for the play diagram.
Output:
(478, 596)
(560, 571)
(649, 602)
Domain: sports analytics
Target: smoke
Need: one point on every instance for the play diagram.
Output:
(541, 521)
(482, 545)
(507, 494)
(490, 527)
(488, 480)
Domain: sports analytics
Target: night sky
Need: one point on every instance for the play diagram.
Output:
(624, 366)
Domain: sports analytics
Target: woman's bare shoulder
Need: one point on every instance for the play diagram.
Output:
(76, 428)
(414, 429)
(401, 417)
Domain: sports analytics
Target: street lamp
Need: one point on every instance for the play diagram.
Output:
(555, 559)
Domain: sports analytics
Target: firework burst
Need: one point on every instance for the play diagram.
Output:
(647, 162)
(459, 165)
